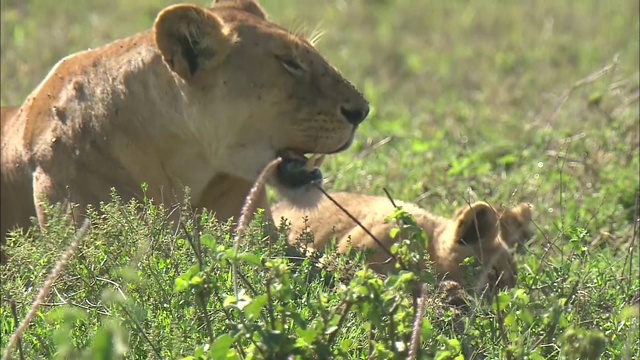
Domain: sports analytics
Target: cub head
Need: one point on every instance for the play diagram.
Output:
(477, 231)
(256, 91)
(515, 226)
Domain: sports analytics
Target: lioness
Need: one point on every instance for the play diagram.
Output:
(204, 99)
(475, 230)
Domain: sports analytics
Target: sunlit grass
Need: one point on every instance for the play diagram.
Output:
(500, 101)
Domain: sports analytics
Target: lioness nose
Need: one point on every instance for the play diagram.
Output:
(355, 114)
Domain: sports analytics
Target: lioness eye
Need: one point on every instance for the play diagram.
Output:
(292, 66)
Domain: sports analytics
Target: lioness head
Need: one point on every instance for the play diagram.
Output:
(276, 94)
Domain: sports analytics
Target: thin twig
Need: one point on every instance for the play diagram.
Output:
(372, 330)
(272, 320)
(561, 193)
(14, 313)
(500, 320)
(141, 330)
(201, 299)
(245, 214)
(417, 324)
(343, 317)
(46, 288)
(246, 282)
(389, 196)
(636, 222)
(190, 238)
(582, 82)
(353, 218)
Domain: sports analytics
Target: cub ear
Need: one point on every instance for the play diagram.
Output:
(250, 6)
(524, 212)
(475, 223)
(191, 38)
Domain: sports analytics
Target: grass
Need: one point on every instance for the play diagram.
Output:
(500, 101)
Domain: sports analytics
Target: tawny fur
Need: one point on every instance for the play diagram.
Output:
(204, 99)
(515, 226)
(475, 230)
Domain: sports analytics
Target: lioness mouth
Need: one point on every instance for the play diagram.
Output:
(296, 170)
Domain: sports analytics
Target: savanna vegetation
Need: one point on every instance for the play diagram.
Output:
(500, 101)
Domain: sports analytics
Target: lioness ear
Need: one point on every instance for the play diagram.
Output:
(476, 222)
(191, 38)
(250, 6)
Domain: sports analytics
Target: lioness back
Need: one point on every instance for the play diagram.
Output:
(475, 230)
(205, 99)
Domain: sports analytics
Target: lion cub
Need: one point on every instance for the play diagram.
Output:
(476, 230)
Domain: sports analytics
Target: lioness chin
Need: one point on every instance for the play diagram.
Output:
(476, 230)
(205, 99)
